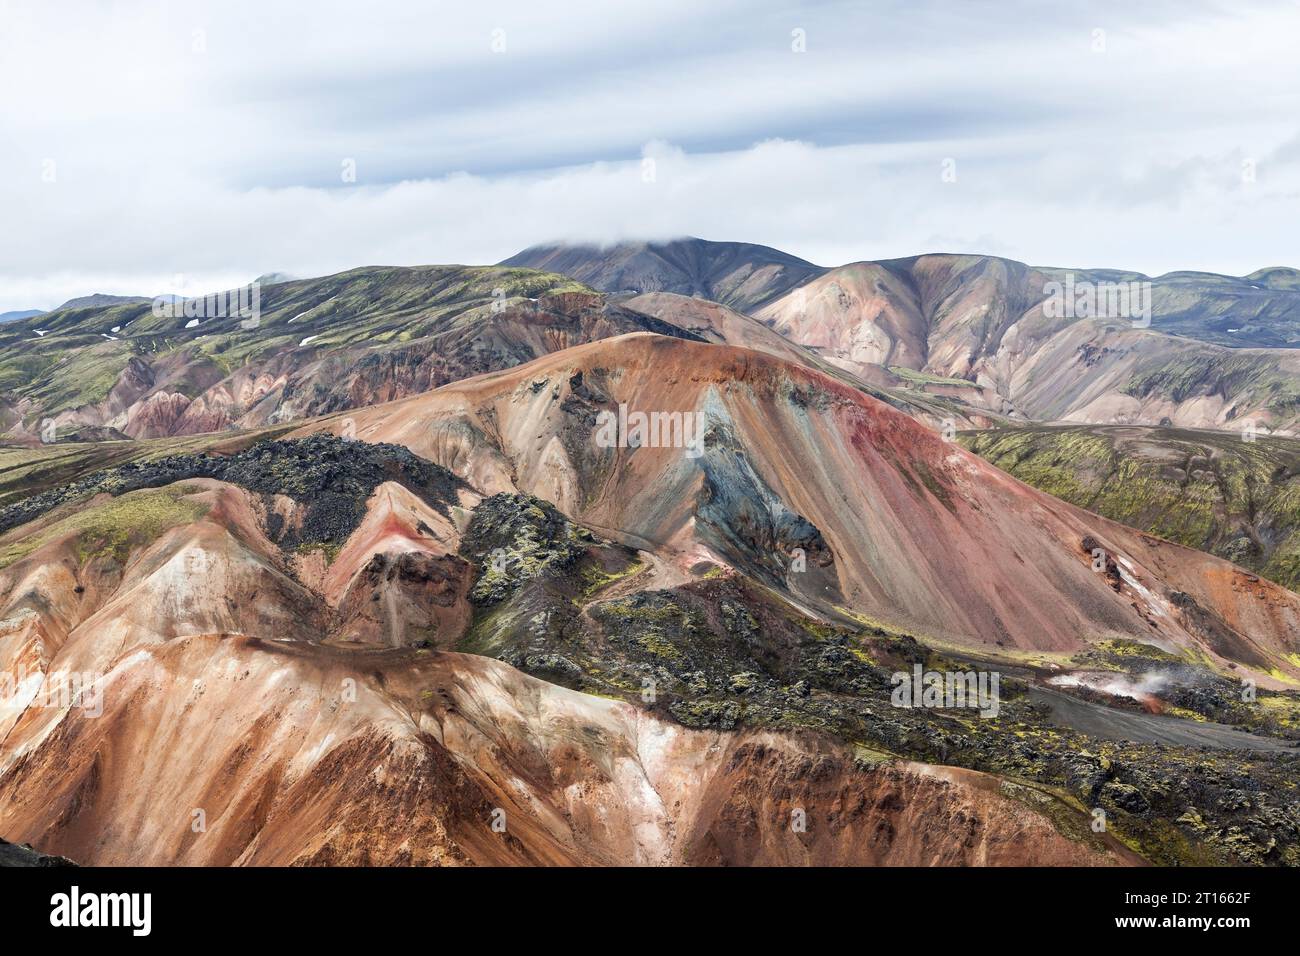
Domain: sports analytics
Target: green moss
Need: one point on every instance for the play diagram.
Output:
(76, 365)
(1067, 815)
(516, 539)
(490, 630)
(329, 549)
(1201, 373)
(595, 578)
(1206, 490)
(925, 378)
(651, 614)
(1164, 843)
(1120, 648)
(84, 377)
(113, 528)
(818, 629)
(658, 645)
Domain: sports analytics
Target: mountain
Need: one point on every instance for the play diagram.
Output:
(956, 341)
(736, 274)
(990, 322)
(101, 300)
(1209, 490)
(472, 633)
(337, 728)
(22, 314)
(333, 343)
(712, 322)
(794, 459)
(1211, 351)
(318, 345)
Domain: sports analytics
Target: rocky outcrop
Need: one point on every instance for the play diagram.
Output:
(22, 855)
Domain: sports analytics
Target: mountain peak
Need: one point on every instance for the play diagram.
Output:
(738, 274)
(100, 300)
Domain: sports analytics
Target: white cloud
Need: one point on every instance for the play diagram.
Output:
(223, 163)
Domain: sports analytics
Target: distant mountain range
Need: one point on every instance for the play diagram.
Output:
(337, 342)
(1258, 310)
(971, 339)
(1211, 352)
(21, 314)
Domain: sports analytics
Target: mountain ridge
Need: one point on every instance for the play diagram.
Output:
(988, 322)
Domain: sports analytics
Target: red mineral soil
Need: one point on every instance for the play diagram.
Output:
(983, 320)
(398, 579)
(225, 750)
(855, 316)
(719, 324)
(920, 534)
(227, 725)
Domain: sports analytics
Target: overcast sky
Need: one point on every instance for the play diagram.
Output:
(142, 141)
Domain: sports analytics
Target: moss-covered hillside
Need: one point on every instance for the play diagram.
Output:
(1213, 491)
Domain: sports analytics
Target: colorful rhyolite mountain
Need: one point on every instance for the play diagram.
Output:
(391, 576)
(474, 632)
(1188, 349)
(967, 339)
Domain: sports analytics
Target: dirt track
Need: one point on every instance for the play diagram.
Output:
(1111, 724)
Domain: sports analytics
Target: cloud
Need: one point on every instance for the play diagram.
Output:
(210, 140)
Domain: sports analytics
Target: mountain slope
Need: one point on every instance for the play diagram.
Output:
(334, 343)
(1213, 491)
(1212, 352)
(896, 523)
(280, 635)
(319, 345)
(713, 322)
(992, 322)
(238, 717)
(736, 274)
(20, 314)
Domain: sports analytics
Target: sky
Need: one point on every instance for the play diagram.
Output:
(152, 147)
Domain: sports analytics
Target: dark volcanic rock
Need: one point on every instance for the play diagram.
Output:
(516, 538)
(20, 854)
(332, 476)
